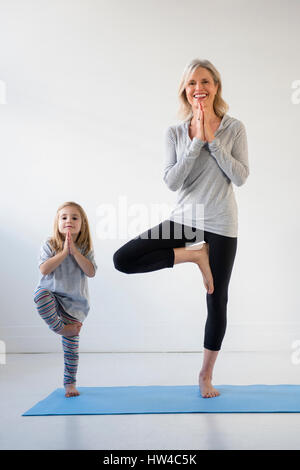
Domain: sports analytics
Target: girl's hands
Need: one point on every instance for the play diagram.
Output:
(84, 263)
(69, 245)
(72, 247)
(66, 249)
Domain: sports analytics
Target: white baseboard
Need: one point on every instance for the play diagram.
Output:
(153, 337)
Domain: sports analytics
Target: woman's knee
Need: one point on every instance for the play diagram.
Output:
(120, 261)
(219, 299)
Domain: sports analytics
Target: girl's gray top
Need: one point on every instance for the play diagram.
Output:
(204, 172)
(67, 282)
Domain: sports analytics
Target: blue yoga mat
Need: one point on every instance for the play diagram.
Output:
(170, 399)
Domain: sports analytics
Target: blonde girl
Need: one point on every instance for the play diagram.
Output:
(62, 297)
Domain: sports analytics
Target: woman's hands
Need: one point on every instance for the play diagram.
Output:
(200, 131)
(203, 129)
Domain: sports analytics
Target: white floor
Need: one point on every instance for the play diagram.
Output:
(28, 378)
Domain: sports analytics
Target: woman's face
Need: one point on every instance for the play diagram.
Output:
(201, 88)
(69, 218)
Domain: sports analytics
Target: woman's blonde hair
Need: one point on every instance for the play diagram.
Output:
(83, 241)
(185, 109)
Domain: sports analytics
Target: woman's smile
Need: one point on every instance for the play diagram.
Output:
(200, 96)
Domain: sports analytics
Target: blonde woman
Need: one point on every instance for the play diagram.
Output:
(62, 298)
(206, 153)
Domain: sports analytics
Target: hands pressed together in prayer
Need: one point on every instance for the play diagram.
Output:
(71, 249)
(69, 245)
(204, 131)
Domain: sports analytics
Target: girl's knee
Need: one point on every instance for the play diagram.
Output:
(41, 293)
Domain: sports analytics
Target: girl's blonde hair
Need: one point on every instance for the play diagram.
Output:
(83, 241)
(185, 109)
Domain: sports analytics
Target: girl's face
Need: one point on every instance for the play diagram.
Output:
(69, 218)
(201, 88)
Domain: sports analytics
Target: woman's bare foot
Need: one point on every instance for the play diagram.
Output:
(206, 388)
(71, 329)
(202, 259)
(71, 391)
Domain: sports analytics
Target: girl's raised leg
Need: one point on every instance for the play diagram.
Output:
(47, 308)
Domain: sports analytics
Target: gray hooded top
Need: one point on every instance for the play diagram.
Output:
(204, 172)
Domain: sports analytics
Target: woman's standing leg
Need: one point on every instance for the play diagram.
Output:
(145, 254)
(222, 251)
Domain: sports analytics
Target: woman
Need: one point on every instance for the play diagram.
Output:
(205, 154)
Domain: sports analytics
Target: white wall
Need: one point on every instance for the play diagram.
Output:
(91, 86)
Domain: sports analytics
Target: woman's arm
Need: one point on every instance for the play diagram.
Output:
(235, 164)
(175, 172)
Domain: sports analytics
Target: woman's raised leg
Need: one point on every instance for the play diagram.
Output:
(163, 246)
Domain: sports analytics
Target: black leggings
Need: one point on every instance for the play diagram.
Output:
(153, 250)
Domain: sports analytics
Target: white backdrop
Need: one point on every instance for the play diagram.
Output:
(91, 86)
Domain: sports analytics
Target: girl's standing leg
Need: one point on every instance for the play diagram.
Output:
(222, 251)
(70, 346)
(64, 325)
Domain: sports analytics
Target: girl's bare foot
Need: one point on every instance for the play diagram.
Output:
(71, 391)
(202, 259)
(206, 388)
(71, 329)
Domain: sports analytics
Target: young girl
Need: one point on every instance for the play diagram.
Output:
(62, 297)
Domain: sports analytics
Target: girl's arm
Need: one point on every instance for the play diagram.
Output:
(52, 263)
(85, 264)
